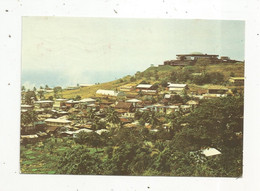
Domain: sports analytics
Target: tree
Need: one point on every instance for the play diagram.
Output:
(176, 99)
(132, 79)
(91, 139)
(79, 161)
(23, 88)
(29, 117)
(232, 74)
(57, 91)
(156, 74)
(78, 97)
(164, 83)
(153, 120)
(29, 97)
(41, 94)
(214, 123)
(112, 117)
(215, 77)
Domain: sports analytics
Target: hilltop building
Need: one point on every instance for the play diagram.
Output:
(196, 56)
(190, 59)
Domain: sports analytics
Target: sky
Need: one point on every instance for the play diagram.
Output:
(64, 51)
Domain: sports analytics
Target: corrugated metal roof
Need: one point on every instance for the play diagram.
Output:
(87, 100)
(44, 101)
(72, 101)
(133, 100)
(210, 152)
(175, 89)
(57, 120)
(106, 92)
(144, 86)
(177, 85)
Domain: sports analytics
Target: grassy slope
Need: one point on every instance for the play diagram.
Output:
(85, 92)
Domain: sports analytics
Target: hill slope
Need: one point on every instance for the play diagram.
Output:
(157, 75)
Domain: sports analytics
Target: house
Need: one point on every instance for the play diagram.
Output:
(171, 109)
(208, 152)
(227, 59)
(49, 90)
(167, 96)
(186, 108)
(177, 63)
(127, 88)
(88, 101)
(131, 95)
(237, 81)
(28, 129)
(188, 59)
(29, 138)
(92, 107)
(125, 120)
(128, 115)
(111, 93)
(59, 103)
(146, 89)
(126, 106)
(217, 90)
(196, 56)
(57, 122)
(100, 131)
(85, 85)
(210, 96)
(196, 74)
(105, 104)
(25, 108)
(192, 102)
(177, 88)
(43, 104)
(224, 58)
(134, 101)
(71, 103)
(72, 88)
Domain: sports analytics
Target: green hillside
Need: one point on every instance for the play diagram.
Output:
(166, 73)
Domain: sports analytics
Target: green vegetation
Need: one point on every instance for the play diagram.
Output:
(172, 151)
(211, 74)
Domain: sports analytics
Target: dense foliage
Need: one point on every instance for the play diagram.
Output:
(175, 151)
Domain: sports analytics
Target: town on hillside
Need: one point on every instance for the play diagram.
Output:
(193, 105)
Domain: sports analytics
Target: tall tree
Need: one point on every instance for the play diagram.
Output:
(113, 118)
(29, 97)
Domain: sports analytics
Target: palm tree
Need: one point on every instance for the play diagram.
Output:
(113, 118)
(91, 114)
(153, 120)
(41, 94)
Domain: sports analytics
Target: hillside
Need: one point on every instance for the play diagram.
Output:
(159, 74)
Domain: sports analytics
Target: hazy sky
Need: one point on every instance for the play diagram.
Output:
(66, 51)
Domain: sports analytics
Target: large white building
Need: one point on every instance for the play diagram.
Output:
(110, 93)
(177, 88)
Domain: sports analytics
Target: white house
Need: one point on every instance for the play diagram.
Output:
(88, 101)
(110, 93)
(177, 88)
(57, 122)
